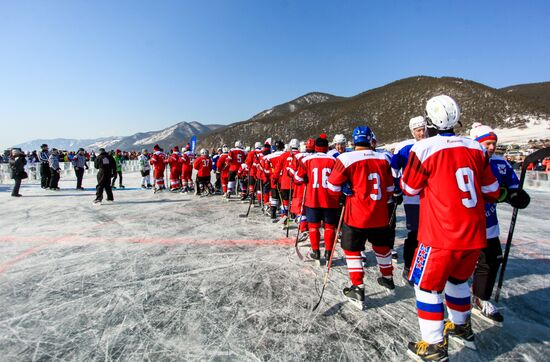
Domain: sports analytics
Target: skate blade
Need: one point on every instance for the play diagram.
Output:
(355, 303)
(243, 215)
(468, 344)
(416, 357)
(479, 314)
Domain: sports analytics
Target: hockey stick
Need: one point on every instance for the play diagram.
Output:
(300, 256)
(325, 280)
(393, 213)
(289, 207)
(250, 202)
(537, 155)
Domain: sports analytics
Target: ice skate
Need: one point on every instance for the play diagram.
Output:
(304, 235)
(97, 202)
(386, 282)
(461, 333)
(487, 311)
(355, 295)
(423, 351)
(393, 254)
(315, 256)
(144, 187)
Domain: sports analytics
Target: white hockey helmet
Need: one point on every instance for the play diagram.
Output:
(339, 139)
(258, 145)
(247, 149)
(442, 112)
(238, 144)
(225, 149)
(294, 143)
(417, 122)
(204, 152)
(302, 147)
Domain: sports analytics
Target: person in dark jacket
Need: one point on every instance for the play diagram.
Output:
(105, 163)
(45, 173)
(80, 163)
(17, 166)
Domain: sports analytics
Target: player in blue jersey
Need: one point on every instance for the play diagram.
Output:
(399, 160)
(491, 257)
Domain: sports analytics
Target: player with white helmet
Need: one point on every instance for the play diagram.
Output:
(222, 166)
(283, 174)
(236, 158)
(203, 165)
(417, 126)
(338, 144)
(252, 161)
(452, 177)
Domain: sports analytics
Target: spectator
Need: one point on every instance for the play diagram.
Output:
(55, 170)
(17, 166)
(119, 160)
(105, 163)
(45, 173)
(79, 163)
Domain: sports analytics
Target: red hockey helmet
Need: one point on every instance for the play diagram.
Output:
(310, 145)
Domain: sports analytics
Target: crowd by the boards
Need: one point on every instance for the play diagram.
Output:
(449, 186)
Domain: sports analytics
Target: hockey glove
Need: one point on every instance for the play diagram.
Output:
(346, 189)
(519, 199)
(398, 198)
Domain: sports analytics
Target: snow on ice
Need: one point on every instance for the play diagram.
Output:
(176, 277)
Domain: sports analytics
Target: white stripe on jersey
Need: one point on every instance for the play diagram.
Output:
(430, 146)
(490, 188)
(349, 158)
(316, 155)
(334, 188)
(409, 189)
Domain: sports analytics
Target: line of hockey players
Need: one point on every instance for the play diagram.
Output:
(449, 186)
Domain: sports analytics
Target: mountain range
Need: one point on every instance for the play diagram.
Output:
(177, 134)
(521, 110)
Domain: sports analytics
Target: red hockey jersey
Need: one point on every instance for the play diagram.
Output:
(281, 174)
(223, 165)
(203, 165)
(318, 168)
(236, 158)
(452, 176)
(267, 165)
(369, 173)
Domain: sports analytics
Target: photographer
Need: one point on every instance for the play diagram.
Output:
(79, 163)
(17, 166)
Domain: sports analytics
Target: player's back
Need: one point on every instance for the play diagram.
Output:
(318, 167)
(237, 157)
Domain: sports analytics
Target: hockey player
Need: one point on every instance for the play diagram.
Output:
(490, 258)
(452, 177)
(417, 126)
(118, 161)
(176, 164)
(236, 157)
(203, 165)
(158, 161)
(283, 178)
(262, 178)
(223, 167)
(339, 144)
(187, 159)
(218, 183)
(268, 163)
(145, 169)
(252, 159)
(242, 175)
(368, 174)
(45, 174)
(320, 205)
(298, 192)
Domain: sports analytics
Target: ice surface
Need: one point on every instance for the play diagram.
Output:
(175, 277)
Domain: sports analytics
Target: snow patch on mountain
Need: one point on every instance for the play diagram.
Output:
(535, 128)
(158, 136)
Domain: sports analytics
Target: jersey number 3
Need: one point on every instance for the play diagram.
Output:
(465, 182)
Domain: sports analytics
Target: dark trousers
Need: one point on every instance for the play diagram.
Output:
(16, 187)
(409, 248)
(54, 180)
(218, 183)
(486, 271)
(392, 217)
(119, 179)
(103, 183)
(45, 175)
(203, 181)
(79, 175)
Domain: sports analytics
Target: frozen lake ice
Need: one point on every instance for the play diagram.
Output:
(176, 277)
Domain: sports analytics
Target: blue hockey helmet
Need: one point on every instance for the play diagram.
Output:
(362, 135)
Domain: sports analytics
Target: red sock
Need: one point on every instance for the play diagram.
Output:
(383, 258)
(355, 267)
(314, 235)
(266, 199)
(329, 236)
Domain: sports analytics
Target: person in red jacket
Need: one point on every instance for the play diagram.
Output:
(284, 178)
(203, 165)
(366, 212)
(271, 187)
(243, 176)
(452, 176)
(298, 191)
(321, 206)
(252, 159)
(223, 167)
(175, 169)
(187, 158)
(236, 157)
(158, 161)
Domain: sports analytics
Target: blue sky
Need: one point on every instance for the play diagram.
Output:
(86, 69)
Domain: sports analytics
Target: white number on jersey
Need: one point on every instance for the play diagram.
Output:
(465, 182)
(376, 186)
(325, 172)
